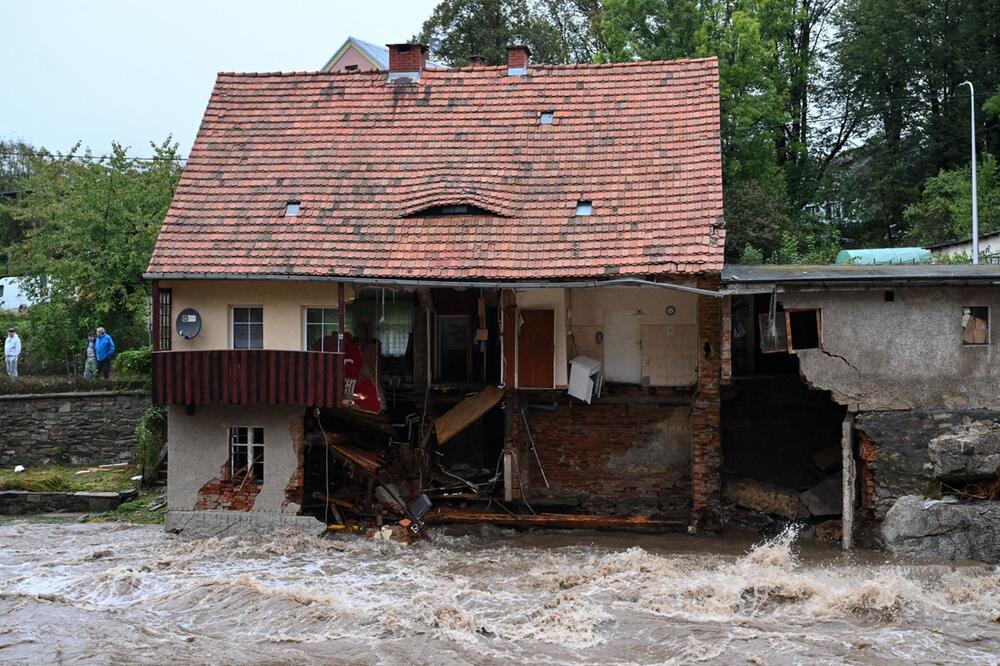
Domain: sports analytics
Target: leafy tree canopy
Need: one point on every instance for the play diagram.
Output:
(90, 228)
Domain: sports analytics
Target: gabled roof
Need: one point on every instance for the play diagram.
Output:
(377, 55)
(640, 140)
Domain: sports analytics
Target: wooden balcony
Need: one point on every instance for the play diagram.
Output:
(248, 377)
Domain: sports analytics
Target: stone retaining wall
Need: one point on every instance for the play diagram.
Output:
(69, 428)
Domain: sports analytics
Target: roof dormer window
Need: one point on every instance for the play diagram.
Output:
(584, 207)
(293, 208)
(452, 209)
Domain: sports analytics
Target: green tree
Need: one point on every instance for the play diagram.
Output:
(944, 209)
(905, 60)
(14, 168)
(556, 31)
(93, 223)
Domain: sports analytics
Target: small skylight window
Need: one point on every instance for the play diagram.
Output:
(292, 208)
(547, 117)
(584, 207)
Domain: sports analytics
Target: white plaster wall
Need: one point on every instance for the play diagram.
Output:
(551, 299)
(284, 304)
(669, 342)
(990, 244)
(198, 448)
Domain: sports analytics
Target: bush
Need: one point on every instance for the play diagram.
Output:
(34, 385)
(150, 437)
(134, 362)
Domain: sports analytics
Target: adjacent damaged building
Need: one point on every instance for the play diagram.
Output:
(868, 392)
(488, 293)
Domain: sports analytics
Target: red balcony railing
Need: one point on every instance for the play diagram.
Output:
(248, 377)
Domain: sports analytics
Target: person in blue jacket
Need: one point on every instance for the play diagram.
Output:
(104, 351)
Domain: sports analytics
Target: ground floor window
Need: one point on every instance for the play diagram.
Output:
(246, 454)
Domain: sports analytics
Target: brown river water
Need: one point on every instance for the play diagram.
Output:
(120, 594)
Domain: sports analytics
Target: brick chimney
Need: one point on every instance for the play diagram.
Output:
(406, 61)
(517, 60)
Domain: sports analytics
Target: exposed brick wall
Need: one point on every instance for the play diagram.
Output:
(221, 493)
(629, 452)
(868, 452)
(706, 450)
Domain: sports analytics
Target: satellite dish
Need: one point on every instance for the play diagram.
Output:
(435, 44)
(188, 324)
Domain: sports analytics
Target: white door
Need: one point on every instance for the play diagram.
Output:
(622, 346)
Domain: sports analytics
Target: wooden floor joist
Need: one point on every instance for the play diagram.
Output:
(557, 520)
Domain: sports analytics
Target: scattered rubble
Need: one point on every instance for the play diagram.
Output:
(766, 498)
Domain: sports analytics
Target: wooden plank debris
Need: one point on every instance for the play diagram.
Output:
(556, 520)
(356, 459)
(465, 413)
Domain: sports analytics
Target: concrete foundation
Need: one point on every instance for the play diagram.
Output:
(206, 524)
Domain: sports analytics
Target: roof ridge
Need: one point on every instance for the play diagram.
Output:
(467, 68)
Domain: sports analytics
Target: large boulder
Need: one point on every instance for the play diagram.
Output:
(969, 452)
(965, 531)
(765, 497)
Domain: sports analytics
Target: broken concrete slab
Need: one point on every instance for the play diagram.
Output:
(965, 531)
(825, 498)
(765, 497)
(969, 452)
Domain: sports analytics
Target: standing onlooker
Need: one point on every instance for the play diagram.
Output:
(11, 350)
(90, 362)
(104, 350)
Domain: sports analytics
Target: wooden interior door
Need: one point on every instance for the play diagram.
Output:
(536, 349)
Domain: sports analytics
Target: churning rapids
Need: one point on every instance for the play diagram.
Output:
(91, 593)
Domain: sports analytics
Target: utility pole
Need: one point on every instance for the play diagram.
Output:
(975, 206)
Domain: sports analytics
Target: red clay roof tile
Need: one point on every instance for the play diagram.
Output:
(640, 140)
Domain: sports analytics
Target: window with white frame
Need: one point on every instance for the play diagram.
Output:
(248, 327)
(246, 454)
(321, 329)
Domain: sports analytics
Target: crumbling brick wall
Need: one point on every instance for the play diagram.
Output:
(221, 493)
(706, 451)
(627, 453)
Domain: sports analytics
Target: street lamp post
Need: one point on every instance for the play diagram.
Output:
(975, 207)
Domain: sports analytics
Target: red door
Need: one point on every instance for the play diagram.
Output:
(536, 348)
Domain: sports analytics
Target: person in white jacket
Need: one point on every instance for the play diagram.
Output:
(11, 350)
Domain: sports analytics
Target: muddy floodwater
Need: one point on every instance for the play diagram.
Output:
(100, 593)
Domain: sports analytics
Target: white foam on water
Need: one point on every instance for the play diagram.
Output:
(474, 600)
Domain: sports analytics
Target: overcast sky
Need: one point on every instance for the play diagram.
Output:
(135, 71)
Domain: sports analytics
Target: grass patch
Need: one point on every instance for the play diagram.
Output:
(139, 511)
(64, 479)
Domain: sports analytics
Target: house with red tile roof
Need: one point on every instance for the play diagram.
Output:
(493, 290)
